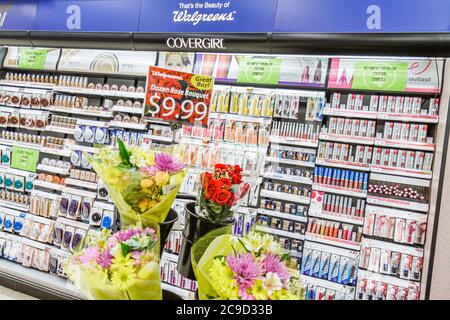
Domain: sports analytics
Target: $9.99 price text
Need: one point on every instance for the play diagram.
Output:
(168, 108)
(177, 96)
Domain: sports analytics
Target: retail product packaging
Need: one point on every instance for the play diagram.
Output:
(333, 273)
(6, 156)
(324, 265)
(96, 216)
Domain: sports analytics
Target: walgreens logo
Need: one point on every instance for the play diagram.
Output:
(196, 17)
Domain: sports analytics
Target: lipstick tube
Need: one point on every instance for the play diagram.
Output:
(382, 103)
(350, 208)
(337, 231)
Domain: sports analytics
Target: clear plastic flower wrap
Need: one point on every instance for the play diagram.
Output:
(120, 266)
(222, 192)
(250, 268)
(142, 183)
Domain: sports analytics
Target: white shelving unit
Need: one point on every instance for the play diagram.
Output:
(40, 280)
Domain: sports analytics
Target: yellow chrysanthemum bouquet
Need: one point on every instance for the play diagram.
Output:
(250, 268)
(120, 266)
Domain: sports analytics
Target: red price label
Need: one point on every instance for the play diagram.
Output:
(177, 96)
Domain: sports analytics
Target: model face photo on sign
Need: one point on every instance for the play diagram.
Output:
(177, 61)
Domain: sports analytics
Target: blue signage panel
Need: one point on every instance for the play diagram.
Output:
(360, 16)
(17, 15)
(184, 16)
(207, 16)
(88, 15)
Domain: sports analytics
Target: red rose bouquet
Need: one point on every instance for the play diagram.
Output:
(220, 193)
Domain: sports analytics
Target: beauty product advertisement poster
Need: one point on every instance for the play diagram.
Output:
(32, 58)
(262, 69)
(107, 61)
(177, 96)
(178, 61)
(424, 75)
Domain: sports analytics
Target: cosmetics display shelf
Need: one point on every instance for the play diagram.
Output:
(31, 130)
(282, 215)
(238, 117)
(133, 110)
(405, 144)
(48, 185)
(327, 284)
(169, 256)
(347, 244)
(387, 279)
(81, 183)
(8, 169)
(73, 188)
(284, 196)
(32, 85)
(290, 162)
(343, 164)
(295, 254)
(407, 117)
(15, 206)
(346, 139)
(360, 114)
(57, 129)
(398, 203)
(159, 138)
(79, 111)
(422, 174)
(57, 152)
(128, 125)
(281, 233)
(38, 282)
(102, 93)
(391, 246)
(339, 190)
(52, 169)
(184, 293)
(7, 142)
(287, 178)
(80, 192)
(294, 142)
(84, 148)
(237, 145)
(337, 217)
(407, 181)
(12, 109)
(275, 138)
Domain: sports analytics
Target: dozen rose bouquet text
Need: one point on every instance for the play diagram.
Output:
(120, 266)
(221, 191)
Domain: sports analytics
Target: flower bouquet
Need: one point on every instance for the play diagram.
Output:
(248, 268)
(220, 194)
(120, 266)
(142, 183)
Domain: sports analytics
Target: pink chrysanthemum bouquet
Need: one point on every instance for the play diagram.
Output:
(248, 268)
